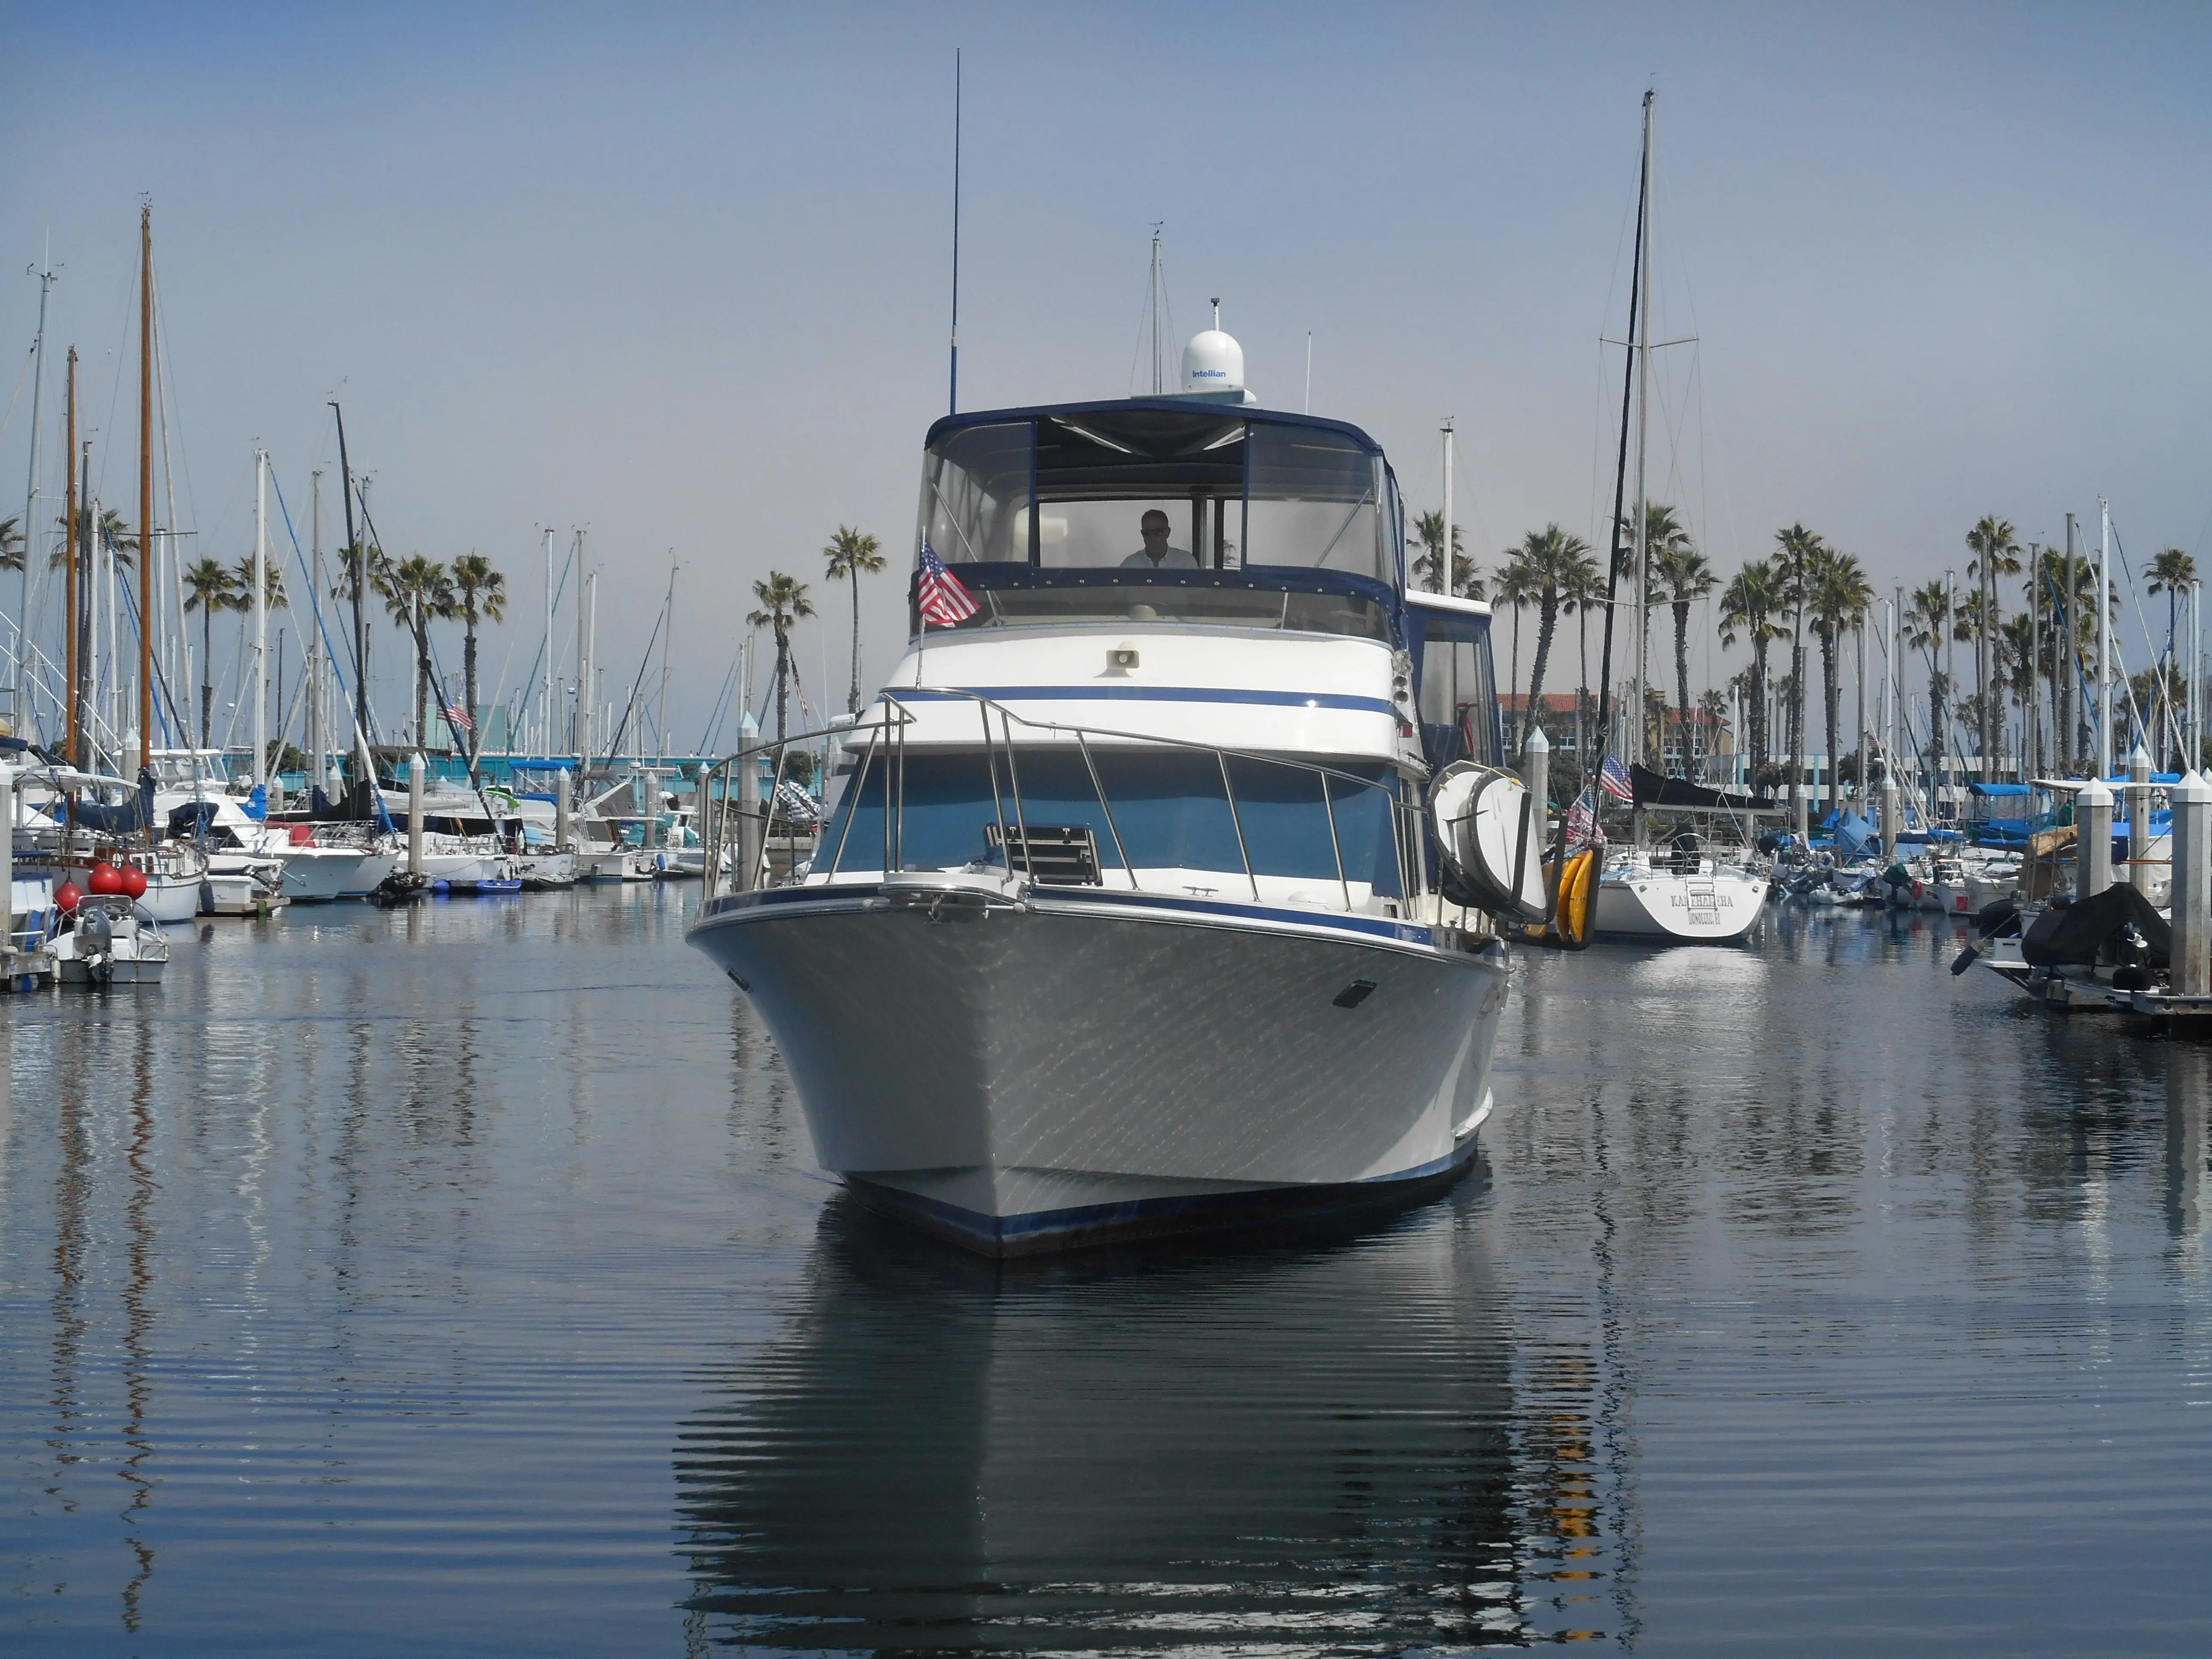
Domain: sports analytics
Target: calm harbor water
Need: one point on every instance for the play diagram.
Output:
(458, 1280)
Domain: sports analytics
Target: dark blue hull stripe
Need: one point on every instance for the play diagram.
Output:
(1136, 1218)
(1156, 694)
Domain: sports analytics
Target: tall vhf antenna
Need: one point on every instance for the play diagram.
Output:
(953, 398)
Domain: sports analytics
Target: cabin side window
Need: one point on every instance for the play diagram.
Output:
(975, 496)
(1459, 691)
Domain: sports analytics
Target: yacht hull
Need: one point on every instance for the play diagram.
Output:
(1028, 1077)
(1663, 906)
(319, 875)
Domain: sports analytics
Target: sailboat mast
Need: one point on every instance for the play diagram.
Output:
(260, 683)
(545, 715)
(1642, 348)
(31, 497)
(1159, 363)
(358, 576)
(146, 493)
(579, 725)
(74, 717)
(2104, 638)
(314, 714)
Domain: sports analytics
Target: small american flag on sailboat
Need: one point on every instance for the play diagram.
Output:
(1613, 778)
(944, 601)
(1582, 821)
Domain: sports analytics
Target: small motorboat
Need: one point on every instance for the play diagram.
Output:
(105, 940)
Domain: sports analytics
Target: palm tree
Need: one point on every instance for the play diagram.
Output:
(1795, 550)
(1512, 588)
(1713, 706)
(1750, 605)
(1557, 567)
(418, 592)
(1587, 594)
(272, 584)
(1928, 623)
(1996, 553)
(2172, 573)
(1840, 597)
(1681, 573)
(209, 588)
(849, 554)
(481, 592)
(111, 528)
(11, 543)
(1429, 531)
(782, 601)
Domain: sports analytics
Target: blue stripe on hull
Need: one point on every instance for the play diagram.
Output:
(1140, 1219)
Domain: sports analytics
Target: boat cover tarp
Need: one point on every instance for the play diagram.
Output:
(1853, 834)
(1653, 790)
(2077, 932)
(128, 817)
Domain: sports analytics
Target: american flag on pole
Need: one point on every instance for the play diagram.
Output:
(1613, 778)
(1582, 821)
(944, 601)
(459, 715)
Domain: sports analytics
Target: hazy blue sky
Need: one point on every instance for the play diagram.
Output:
(678, 275)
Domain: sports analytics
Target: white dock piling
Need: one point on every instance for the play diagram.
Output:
(415, 815)
(749, 825)
(7, 860)
(1536, 772)
(2139, 820)
(2192, 887)
(1889, 810)
(2092, 840)
(563, 841)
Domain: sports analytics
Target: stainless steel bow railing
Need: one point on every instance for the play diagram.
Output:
(735, 830)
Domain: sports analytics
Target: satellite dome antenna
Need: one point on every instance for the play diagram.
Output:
(1213, 365)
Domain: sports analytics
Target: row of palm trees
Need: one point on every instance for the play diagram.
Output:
(1555, 574)
(2035, 658)
(415, 592)
(783, 599)
(1807, 596)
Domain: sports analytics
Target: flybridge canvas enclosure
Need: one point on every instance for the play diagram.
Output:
(1067, 488)
(1459, 688)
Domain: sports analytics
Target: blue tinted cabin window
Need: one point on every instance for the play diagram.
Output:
(1169, 809)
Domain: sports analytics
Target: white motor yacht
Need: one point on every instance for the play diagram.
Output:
(1130, 915)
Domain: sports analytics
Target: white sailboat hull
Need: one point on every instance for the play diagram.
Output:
(1027, 1078)
(320, 875)
(1662, 905)
(172, 898)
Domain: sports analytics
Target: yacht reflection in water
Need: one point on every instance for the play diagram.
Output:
(1312, 1444)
